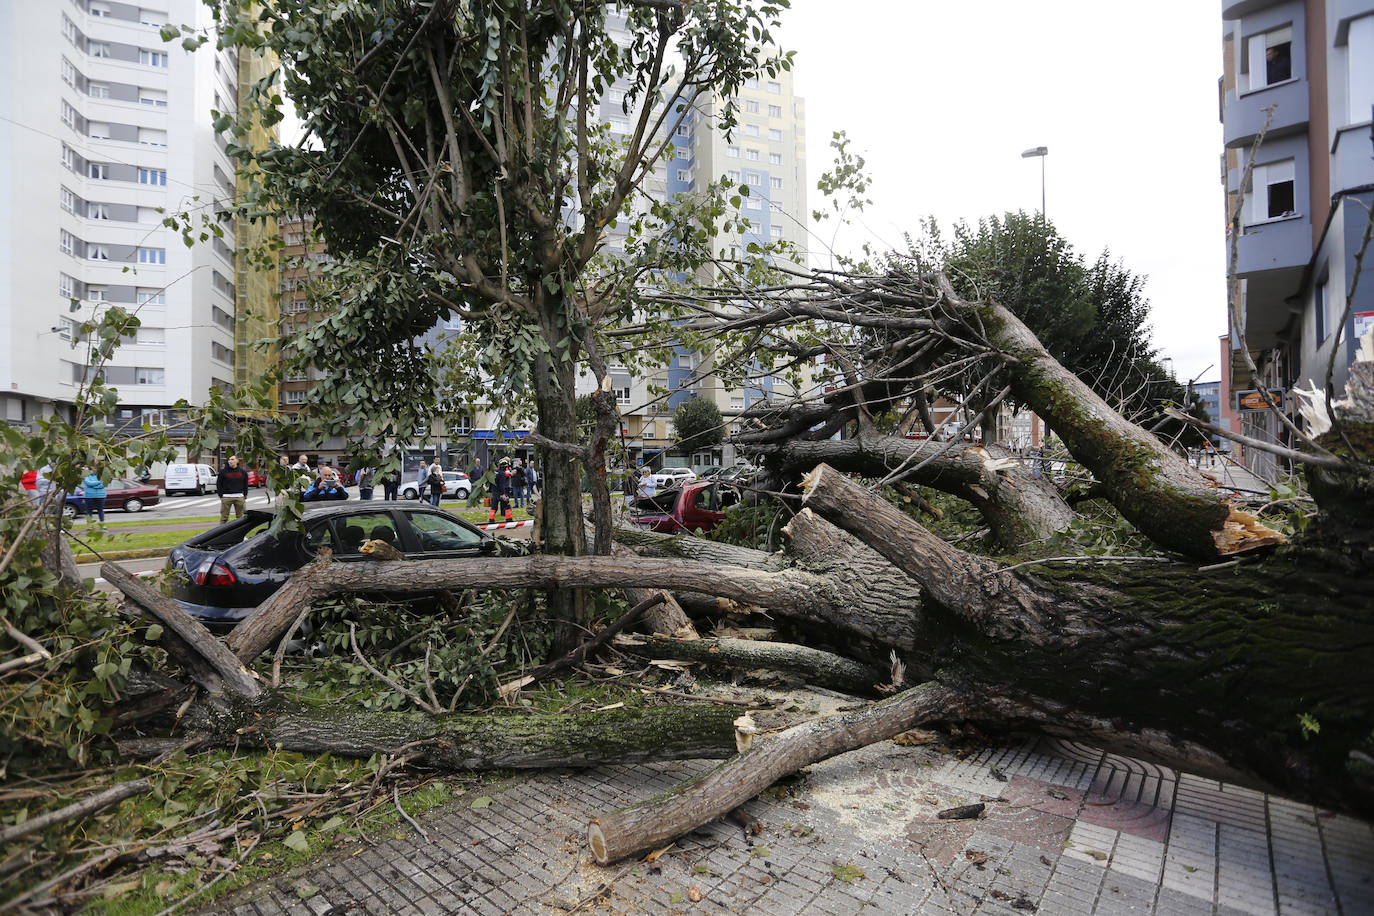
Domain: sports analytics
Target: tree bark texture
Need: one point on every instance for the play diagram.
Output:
(1168, 501)
(1210, 670)
(1018, 507)
(824, 669)
(226, 673)
(657, 821)
(490, 740)
(561, 502)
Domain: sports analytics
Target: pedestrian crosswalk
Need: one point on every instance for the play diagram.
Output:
(195, 505)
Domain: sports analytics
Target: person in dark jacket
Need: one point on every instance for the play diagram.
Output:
(501, 486)
(232, 487)
(363, 479)
(519, 484)
(391, 485)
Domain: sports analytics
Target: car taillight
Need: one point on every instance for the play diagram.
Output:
(212, 572)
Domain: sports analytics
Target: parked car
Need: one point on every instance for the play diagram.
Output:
(741, 474)
(120, 493)
(256, 478)
(231, 569)
(456, 484)
(672, 477)
(188, 478)
(697, 504)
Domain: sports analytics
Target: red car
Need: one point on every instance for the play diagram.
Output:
(120, 493)
(698, 504)
(256, 478)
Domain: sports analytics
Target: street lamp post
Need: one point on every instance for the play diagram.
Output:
(1039, 152)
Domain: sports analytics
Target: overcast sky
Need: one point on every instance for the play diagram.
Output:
(942, 98)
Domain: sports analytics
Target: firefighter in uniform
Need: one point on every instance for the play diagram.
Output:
(501, 489)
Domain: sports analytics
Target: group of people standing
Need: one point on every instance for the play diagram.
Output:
(39, 483)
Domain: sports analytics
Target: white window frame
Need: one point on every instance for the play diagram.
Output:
(751, 154)
(100, 171)
(733, 175)
(152, 17)
(1262, 179)
(775, 231)
(66, 242)
(732, 152)
(293, 396)
(68, 73)
(751, 106)
(151, 297)
(619, 125)
(149, 375)
(98, 90)
(99, 10)
(1359, 84)
(152, 58)
(774, 87)
(155, 177)
(69, 115)
(69, 31)
(775, 182)
(97, 130)
(751, 130)
(100, 49)
(66, 286)
(148, 136)
(152, 255)
(774, 135)
(151, 337)
(68, 158)
(68, 200)
(97, 210)
(97, 293)
(153, 98)
(775, 158)
(753, 203)
(684, 175)
(97, 252)
(1257, 48)
(775, 111)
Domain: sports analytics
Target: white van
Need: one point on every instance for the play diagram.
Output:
(188, 478)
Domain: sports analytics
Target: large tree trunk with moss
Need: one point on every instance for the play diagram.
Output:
(482, 741)
(561, 500)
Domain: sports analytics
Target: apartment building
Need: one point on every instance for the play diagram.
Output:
(1307, 67)
(765, 152)
(104, 128)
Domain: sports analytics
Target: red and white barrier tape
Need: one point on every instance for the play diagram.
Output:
(499, 525)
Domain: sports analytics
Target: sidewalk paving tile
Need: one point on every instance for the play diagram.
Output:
(1067, 829)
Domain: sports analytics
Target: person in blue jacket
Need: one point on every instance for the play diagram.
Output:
(93, 489)
(327, 487)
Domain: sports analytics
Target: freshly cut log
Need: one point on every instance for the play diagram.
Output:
(824, 669)
(659, 820)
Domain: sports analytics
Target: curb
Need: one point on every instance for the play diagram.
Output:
(122, 555)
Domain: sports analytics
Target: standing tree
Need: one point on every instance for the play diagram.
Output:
(457, 167)
(699, 424)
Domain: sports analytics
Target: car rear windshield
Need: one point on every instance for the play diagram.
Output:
(236, 532)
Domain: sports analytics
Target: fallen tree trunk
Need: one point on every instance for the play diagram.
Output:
(487, 740)
(824, 669)
(1018, 507)
(656, 821)
(1263, 672)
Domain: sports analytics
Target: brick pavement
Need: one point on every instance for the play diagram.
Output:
(1068, 829)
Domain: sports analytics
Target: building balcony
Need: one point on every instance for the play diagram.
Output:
(1275, 245)
(1243, 114)
(1235, 9)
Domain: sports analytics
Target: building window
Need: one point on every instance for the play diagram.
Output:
(619, 125)
(69, 30)
(151, 337)
(98, 170)
(99, 9)
(148, 137)
(66, 286)
(732, 152)
(753, 203)
(146, 376)
(775, 206)
(68, 73)
(152, 58)
(152, 176)
(293, 396)
(753, 179)
(97, 131)
(751, 130)
(683, 130)
(751, 105)
(1272, 193)
(733, 175)
(99, 49)
(154, 98)
(775, 111)
(682, 152)
(68, 158)
(775, 87)
(97, 210)
(97, 253)
(1270, 57)
(1359, 84)
(737, 402)
(66, 242)
(151, 297)
(152, 18)
(622, 395)
(775, 183)
(68, 115)
(775, 158)
(684, 175)
(98, 90)
(152, 255)
(774, 135)
(68, 200)
(97, 293)
(752, 155)
(751, 82)
(220, 352)
(775, 231)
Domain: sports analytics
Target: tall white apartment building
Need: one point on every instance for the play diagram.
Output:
(765, 151)
(103, 128)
